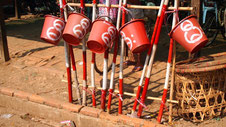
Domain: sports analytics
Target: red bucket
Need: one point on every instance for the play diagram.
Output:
(189, 34)
(135, 36)
(102, 35)
(78, 25)
(52, 29)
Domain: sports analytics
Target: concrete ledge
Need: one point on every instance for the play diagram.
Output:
(56, 110)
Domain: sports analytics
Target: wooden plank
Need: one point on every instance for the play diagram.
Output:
(4, 52)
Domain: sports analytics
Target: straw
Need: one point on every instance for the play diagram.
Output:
(105, 68)
(154, 48)
(111, 89)
(168, 67)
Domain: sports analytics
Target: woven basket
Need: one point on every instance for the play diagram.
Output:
(200, 87)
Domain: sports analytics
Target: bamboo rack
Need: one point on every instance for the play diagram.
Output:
(133, 6)
(134, 95)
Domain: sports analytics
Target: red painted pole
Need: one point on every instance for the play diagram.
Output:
(75, 72)
(121, 63)
(148, 74)
(147, 59)
(105, 68)
(84, 62)
(111, 89)
(93, 61)
(168, 67)
(67, 57)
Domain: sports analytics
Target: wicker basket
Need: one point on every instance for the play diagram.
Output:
(200, 87)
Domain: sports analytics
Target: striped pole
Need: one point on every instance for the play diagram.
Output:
(147, 58)
(168, 67)
(154, 48)
(121, 63)
(111, 90)
(84, 94)
(76, 76)
(93, 61)
(105, 68)
(63, 13)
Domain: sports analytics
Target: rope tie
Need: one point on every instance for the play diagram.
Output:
(116, 95)
(166, 19)
(85, 89)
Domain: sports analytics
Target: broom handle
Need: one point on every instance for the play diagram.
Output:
(93, 60)
(84, 61)
(63, 13)
(148, 74)
(147, 57)
(168, 67)
(111, 90)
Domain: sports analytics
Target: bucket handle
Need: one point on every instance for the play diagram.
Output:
(105, 17)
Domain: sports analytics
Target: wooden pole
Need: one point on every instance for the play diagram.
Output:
(132, 94)
(196, 8)
(17, 9)
(4, 52)
(134, 6)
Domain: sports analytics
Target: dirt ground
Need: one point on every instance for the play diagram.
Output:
(39, 68)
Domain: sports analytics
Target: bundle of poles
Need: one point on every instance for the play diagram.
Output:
(147, 69)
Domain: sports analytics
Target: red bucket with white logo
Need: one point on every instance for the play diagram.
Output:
(52, 29)
(78, 25)
(102, 35)
(189, 34)
(135, 36)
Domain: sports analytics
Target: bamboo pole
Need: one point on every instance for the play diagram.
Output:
(132, 94)
(135, 6)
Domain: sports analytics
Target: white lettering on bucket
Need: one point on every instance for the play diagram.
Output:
(186, 28)
(127, 40)
(58, 25)
(80, 29)
(108, 36)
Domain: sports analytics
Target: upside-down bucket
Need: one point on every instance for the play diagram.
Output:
(78, 25)
(52, 29)
(135, 36)
(189, 34)
(102, 35)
